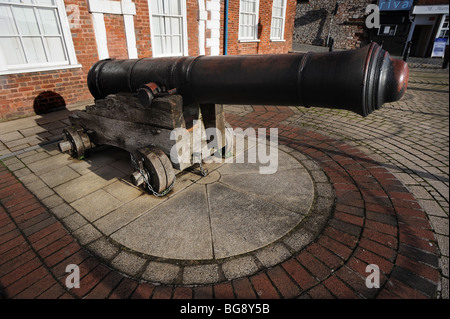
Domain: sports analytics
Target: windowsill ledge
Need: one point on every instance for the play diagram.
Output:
(276, 40)
(248, 41)
(40, 69)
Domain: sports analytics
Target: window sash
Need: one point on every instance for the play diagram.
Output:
(167, 27)
(248, 19)
(35, 37)
(278, 20)
(444, 30)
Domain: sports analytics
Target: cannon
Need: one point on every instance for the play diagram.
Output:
(139, 102)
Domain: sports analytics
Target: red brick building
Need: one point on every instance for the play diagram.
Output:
(48, 46)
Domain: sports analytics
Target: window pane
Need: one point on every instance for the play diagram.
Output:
(168, 43)
(277, 28)
(277, 25)
(157, 45)
(156, 6)
(26, 21)
(176, 45)
(55, 49)
(34, 34)
(251, 32)
(165, 7)
(248, 19)
(244, 31)
(277, 12)
(34, 49)
(48, 21)
(276, 34)
(7, 25)
(156, 26)
(247, 7)
(175, 26)
(175, 7)
(12, 51)
(45, 2)
(169, 26)
(243, 6)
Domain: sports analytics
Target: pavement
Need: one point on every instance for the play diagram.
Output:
(349, 192)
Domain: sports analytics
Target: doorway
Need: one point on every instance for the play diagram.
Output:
(420, 40)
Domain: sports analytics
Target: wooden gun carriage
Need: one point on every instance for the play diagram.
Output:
(140, 102)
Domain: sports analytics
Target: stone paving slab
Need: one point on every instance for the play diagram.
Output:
(318, 266)
(188, 237)
(232, 211)
(382, 198)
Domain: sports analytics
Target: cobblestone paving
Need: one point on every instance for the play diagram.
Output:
(373, 163)
(411, 138)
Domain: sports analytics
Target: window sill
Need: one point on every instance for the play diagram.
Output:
(167, 55)
(247, 41)
(40, 69)
(275, 40)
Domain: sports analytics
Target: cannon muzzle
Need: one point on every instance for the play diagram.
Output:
(360, 80)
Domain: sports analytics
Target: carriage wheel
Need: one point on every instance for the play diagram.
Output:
(159, 168)
(76, 141)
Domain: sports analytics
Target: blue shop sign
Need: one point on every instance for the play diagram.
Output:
(395, 5)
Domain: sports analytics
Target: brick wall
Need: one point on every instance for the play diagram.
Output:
(192, 26)
(22, 92)
(25, 94)
(115, 35)
(312, 23)
(142, 29)
(264, 46)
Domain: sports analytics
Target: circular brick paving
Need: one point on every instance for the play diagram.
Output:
(232, 223)
(232, 211)
(374, 220)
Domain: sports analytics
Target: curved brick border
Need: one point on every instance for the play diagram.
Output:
(376, 221)
(158, 270)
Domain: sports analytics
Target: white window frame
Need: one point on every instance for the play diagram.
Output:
(71, 61)
(256, 14)
(184, 42)
(443, 28)
(282, 18)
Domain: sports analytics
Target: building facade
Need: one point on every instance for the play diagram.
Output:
(420, 26)
(318, 21)
(429, 31)
(48, 46)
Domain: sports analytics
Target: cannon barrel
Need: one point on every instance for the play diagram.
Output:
(360, 80)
